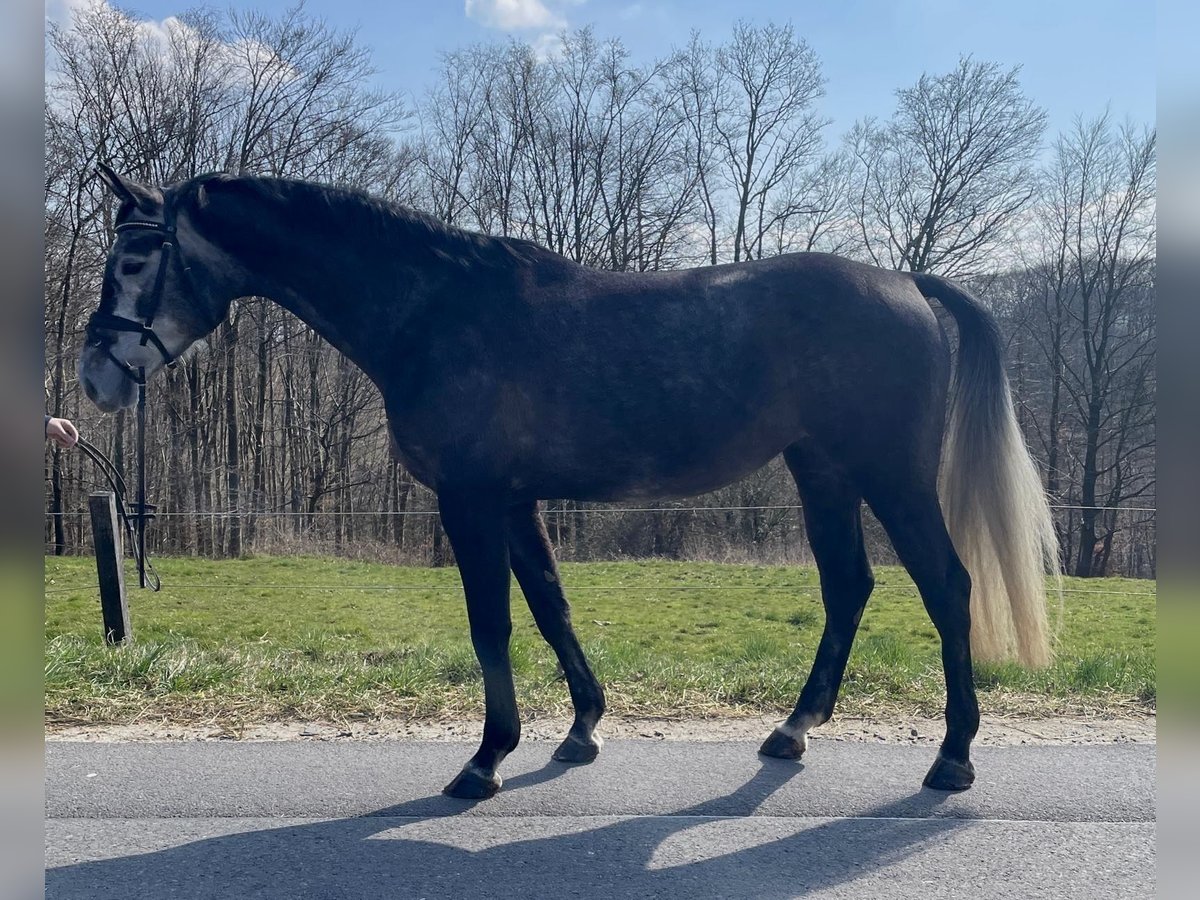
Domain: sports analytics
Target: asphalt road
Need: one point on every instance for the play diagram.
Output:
(648, 819)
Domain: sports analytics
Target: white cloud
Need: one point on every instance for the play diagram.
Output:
(519, 15)
(547, 45)
(60, 11)
(241, 58)
(542, 21)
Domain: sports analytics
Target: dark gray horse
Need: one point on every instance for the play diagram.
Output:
(511, 375)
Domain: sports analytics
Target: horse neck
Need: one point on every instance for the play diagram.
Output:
(360, 291)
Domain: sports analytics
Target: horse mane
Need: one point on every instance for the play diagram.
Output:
(335, 212)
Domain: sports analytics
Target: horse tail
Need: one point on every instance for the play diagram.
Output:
(992, 498)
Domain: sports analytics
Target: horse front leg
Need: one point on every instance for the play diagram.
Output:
(532, 558)
(476, 529)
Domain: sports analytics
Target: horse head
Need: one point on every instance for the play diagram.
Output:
(165, 287)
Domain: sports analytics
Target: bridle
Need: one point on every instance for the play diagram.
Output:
(101, 321)
(168, 247)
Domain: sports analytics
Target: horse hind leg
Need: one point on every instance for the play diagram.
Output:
(832, 517)
(532, 560)
(913, 520)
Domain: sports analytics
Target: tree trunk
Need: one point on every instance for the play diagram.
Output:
(1085, 560)
(258, 432)
(438, 554)
(233, 474)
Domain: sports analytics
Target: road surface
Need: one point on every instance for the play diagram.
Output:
(647, 819)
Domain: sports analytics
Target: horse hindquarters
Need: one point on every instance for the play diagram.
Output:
(884, 445)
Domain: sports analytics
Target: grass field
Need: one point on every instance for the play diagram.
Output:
(276, 638)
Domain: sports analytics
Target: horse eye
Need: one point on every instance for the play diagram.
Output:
(132, 266)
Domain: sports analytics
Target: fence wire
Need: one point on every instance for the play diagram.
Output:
(266, 514)
(767, 533)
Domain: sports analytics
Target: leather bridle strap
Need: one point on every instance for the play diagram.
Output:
(110, 322)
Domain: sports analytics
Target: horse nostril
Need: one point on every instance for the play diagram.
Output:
(88, 387)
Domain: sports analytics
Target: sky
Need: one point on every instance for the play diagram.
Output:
(1077, 57)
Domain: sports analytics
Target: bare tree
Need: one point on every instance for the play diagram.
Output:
(694, 84)
(499, 144)
(812, 210)
(710, 155)
(766, 83)
(1101, 311)
(455, 111)
(245, 92)
(940, 185)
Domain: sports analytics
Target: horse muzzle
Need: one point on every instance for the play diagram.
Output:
(106, 385)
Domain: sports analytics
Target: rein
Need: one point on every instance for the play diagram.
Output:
(135, 523)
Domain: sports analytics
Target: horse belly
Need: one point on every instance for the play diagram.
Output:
(677, 456)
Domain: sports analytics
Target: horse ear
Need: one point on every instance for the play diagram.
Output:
(126, 189)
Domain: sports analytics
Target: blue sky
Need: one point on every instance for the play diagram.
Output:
(1076, 57)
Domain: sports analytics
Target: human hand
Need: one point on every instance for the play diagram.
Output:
(62, 432)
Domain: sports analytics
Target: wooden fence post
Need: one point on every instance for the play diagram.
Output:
(106, 534)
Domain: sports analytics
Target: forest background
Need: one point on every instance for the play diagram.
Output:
(266, 440)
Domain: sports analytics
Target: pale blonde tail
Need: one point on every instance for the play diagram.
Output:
(995, 508)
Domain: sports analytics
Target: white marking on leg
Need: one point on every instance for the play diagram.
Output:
(798, 732)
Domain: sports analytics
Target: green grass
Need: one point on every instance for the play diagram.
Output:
(276, 638)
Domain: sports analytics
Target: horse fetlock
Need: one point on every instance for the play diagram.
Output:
(591, 712)
(497, 743)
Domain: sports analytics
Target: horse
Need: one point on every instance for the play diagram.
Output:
(512, 375)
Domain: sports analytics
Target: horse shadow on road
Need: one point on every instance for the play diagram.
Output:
(436, 848)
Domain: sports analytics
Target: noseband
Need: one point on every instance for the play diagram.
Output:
(101, 321)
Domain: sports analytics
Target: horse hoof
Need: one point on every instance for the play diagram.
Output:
(783, 746)
(950, 775)
(578, 750)
(472, 784)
